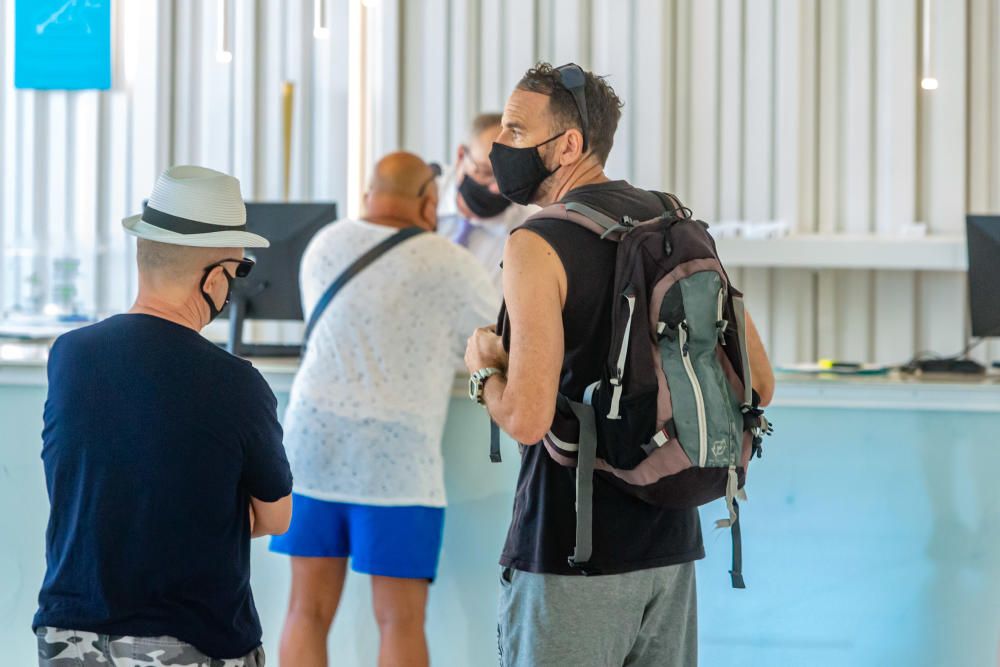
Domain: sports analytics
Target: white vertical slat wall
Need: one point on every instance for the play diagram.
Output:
(800, 110)
(896, 94)
(72, 164)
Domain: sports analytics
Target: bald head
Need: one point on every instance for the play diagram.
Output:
(402, 192)
(400, 174)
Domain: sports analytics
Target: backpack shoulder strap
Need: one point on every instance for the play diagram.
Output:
(739, 310)
(671, 204)
(600, 223)
(359, 265)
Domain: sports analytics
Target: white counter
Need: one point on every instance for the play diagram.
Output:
(25, 365)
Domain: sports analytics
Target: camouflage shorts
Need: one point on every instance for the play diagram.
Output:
(70, 648)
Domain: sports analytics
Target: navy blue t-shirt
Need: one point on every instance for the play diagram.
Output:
(154, 441)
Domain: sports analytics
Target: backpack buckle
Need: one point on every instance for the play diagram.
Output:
(626, 225)
(583, 568)
(614, 413)
(758, 426)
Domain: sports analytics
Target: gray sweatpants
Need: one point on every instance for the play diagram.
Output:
(639, 619)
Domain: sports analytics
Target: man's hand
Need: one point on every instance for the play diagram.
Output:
(485, 350)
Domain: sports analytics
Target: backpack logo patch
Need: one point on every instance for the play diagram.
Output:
(719, 448)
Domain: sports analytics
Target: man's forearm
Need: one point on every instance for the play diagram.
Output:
(760, 366)
(500, 404)
(270, 518)
(256, 530)
(493, 399)
(514, 418)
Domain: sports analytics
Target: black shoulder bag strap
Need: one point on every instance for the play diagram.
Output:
(359, 265)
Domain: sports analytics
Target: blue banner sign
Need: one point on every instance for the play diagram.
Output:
(62, 44)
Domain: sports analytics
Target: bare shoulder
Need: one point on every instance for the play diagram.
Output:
(531, 264)
(529, 248)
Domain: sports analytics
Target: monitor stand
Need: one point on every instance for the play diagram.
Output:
(235, 345)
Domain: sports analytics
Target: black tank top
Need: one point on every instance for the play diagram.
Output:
(629, 534)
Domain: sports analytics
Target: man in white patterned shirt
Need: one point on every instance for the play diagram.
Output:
(367, 411)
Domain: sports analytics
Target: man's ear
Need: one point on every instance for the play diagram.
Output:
(214, 276)
(428, 211)
(460, 163)
(573, 147)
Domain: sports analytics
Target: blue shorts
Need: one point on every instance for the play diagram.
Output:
(403, 542)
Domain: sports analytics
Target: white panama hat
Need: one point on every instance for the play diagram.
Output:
(195, 206)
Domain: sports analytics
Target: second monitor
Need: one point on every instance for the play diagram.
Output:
(983, 233)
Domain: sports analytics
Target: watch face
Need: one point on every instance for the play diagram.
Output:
(473, 388)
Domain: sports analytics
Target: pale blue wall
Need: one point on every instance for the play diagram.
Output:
(871, 538)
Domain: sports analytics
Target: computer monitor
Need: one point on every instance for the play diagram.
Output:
(983, 238)
(271, 291)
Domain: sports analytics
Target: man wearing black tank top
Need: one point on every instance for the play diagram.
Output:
(639, 607)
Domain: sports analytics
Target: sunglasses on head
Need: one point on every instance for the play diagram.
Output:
(243, 266)
(572, 78)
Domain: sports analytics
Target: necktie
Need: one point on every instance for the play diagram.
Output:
(463, 233)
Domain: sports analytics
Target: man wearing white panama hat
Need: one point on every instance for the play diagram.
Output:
(163, 455)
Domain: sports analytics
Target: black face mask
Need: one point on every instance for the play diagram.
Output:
(214, 312)
(519, 171)
(479, 199)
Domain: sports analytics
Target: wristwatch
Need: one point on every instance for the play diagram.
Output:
(478, 382)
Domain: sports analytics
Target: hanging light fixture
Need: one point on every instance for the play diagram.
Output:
(928, 82)
(320, 28)
(224, 54)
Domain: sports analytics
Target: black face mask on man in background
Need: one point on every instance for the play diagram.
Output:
(481, 202)
(519, 171)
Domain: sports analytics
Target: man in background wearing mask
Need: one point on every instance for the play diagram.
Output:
(162, 455)
(473, 213)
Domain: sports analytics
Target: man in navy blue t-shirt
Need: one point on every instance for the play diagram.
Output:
(163, 455)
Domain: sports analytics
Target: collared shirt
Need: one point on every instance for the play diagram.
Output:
(483, 237)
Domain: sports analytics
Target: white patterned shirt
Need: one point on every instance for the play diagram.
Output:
(368, 406)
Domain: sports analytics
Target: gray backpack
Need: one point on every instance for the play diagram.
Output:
(673, 419)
